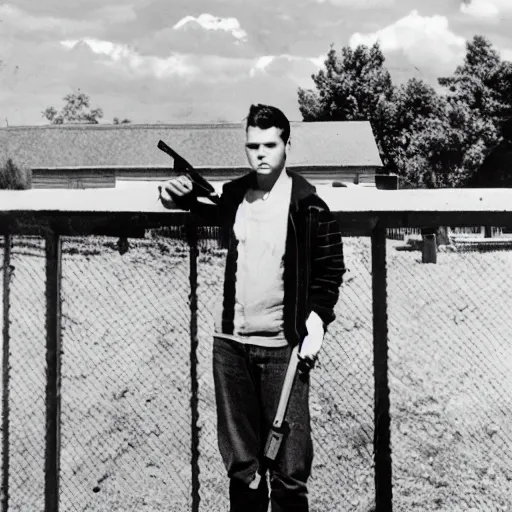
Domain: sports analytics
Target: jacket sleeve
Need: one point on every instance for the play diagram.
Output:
(327, 264)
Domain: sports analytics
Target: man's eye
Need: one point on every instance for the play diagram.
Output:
(251, 146)
(270, 145)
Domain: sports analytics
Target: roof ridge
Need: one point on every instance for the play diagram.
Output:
(126, 126)
(155, 126)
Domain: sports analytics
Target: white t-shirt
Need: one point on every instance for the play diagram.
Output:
(260, 227)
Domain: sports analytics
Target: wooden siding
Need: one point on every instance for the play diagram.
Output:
(73, 178)
(106, 177)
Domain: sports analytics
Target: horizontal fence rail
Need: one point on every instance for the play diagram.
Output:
(74, 227)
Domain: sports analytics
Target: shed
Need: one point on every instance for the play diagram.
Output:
(88, 156)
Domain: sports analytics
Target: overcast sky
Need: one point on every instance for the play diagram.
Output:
(182, 61)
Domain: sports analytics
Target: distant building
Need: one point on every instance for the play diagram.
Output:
(99, 156)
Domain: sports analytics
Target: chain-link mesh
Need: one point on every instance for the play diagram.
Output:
(126, 376)
(27, 374)
(126, 414)
(450, 377)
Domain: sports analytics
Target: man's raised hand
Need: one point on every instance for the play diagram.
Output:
(180, 186)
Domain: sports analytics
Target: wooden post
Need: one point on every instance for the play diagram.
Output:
(429, 246)
(53, 371)
(382, 432)
(194, 401)
(6, 373)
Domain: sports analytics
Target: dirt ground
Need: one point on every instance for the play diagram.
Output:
(126, 382)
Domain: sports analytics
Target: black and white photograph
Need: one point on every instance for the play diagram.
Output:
(256, 256)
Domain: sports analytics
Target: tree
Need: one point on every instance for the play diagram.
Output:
(350, 88)
(404, 119)
(76, 110)
(14, 177)
(429, 139)
(400, 121)
(479, 94)
(496, 169)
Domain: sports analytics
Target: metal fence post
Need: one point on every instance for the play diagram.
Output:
(382, 435)
(6, 373)
(194, 401)
(53, 371)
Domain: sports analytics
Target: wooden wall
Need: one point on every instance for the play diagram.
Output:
(73, 178)
(105, 177)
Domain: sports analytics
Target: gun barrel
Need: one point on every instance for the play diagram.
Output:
(167, 149)
(205, 188)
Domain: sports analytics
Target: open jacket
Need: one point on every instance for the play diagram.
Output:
(313, 260)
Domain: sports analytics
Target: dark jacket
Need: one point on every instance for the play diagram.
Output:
(313, 260)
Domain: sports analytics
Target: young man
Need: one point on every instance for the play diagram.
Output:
(284, 267)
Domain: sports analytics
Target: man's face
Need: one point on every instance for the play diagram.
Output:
(265, 149)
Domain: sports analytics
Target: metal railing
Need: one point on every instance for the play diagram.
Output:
(126, 215)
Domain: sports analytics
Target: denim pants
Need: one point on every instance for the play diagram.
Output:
(248, 381)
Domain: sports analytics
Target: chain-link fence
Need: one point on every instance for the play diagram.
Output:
(24, 414)
(126, 385)
(450, 354)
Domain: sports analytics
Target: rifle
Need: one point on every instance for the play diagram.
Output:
(202, 187)
(279, 427)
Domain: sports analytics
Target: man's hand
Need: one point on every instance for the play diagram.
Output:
(179, 187)
(312, 343)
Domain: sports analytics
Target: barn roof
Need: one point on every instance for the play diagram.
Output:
(349, 143)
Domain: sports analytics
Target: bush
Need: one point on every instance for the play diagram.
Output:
(13, 177)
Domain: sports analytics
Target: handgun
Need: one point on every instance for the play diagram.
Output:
(202, 187)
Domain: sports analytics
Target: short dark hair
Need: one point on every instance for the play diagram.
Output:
(266, 116)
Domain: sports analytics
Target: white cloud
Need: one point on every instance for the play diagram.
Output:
(201, 68)
(318, 61)
(124, 56)
(424, 40)
(491, 9)
(360, 4)
(192, 39)
(263, 63)
(210, 22)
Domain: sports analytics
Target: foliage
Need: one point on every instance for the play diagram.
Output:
(430, 138)
(14, 177)
(76, 110)
(349, 88)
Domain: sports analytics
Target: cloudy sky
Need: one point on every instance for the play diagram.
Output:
(182, 61)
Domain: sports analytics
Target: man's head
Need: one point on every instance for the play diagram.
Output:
(267, 138)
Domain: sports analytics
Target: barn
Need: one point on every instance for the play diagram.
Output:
(106, 156)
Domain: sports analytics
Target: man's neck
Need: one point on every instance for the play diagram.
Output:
(266, 182)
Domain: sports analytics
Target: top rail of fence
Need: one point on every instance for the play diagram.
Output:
(129, 212)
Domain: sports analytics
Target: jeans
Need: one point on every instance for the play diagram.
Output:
(248, 381)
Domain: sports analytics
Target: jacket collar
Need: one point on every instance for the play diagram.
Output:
(301, 187)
